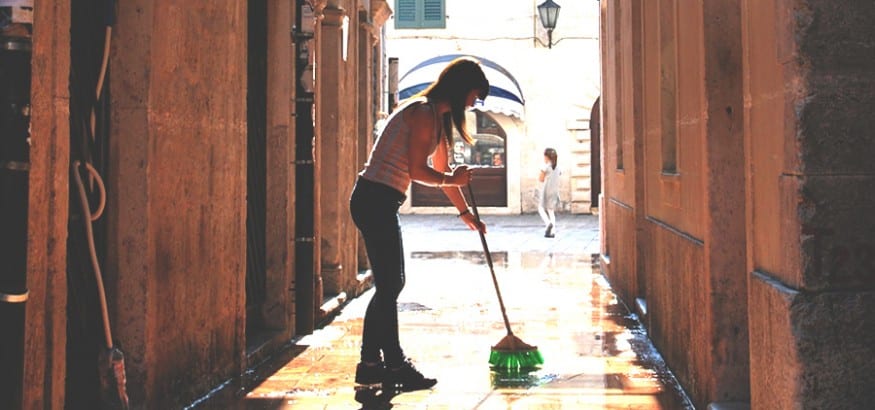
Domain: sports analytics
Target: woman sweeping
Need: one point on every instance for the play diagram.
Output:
(419, 129)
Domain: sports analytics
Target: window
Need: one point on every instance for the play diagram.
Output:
(668, 88)
(618, 60)
(420, 14)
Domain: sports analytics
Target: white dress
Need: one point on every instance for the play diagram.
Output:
(550, 189)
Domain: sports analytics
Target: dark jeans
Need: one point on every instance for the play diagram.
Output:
(374, 209)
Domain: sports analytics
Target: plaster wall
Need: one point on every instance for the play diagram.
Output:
(177, 237)
(559, 84)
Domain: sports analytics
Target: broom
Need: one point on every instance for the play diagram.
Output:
(510, 354)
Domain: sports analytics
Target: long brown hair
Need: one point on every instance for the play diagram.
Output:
(453, 85)
(551, 153)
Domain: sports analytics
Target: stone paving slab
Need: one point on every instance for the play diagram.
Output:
(597, 355)
(575, 234)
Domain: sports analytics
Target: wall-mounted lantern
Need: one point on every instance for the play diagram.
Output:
(548, 11)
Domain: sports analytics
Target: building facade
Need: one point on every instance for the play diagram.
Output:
(541, 93)
(226, 135)
(738, 193)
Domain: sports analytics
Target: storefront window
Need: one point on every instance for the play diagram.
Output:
(489, 145)
(487, 154)
(487, 151)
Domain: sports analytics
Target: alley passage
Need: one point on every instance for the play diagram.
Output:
(597, 355)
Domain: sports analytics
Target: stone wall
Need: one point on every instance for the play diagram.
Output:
(769, 101)
(177, 196)
(809, 76)
(672, 141)
(176, 243)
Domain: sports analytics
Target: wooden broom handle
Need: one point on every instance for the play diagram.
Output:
(488, 259)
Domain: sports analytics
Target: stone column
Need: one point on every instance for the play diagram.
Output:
(46, 307)
(370, 82)
(638, 288)
(280, 226)
(330, 83)
(368, 38)
(348, 162)
(176, 261)
(724, 242)
(809, 72)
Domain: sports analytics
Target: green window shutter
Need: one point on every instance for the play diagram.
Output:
(420, 14)
(433, 14)
(405, 14)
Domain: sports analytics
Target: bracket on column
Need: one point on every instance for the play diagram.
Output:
(301, 35)
(14, 297)
(15, 165)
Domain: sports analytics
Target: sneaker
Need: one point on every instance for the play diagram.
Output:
(406, 378)
(367, 374)
(549, 232)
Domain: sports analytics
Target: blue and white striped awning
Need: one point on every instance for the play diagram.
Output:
(505, 96)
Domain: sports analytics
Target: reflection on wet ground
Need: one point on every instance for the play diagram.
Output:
(597, 356)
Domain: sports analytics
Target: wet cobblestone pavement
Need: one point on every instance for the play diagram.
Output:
(597, 356)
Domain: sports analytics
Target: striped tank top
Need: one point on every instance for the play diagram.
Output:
(388, 162)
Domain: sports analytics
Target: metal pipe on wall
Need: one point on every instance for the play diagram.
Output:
(305, 250)
(15, 76)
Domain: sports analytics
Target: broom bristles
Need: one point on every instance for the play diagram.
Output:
(512, 354)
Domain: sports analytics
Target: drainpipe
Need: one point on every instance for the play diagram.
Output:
(16, 18)
(305, 235)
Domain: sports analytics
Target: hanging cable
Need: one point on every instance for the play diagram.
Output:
(89, 233)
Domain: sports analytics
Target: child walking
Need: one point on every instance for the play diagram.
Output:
(549, 199)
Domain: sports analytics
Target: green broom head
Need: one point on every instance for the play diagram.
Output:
(512, 354)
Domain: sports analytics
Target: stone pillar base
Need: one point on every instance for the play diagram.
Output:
(814, 348)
